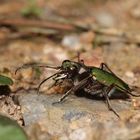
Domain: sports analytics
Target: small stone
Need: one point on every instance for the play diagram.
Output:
(87, 37)
(135, 12)
(136, 103)
(129, 74)
(105, 19)
(71, 41)
(55, 53)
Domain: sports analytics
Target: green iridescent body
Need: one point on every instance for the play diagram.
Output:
(108, 79)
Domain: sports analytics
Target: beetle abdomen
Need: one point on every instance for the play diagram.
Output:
(108, 79)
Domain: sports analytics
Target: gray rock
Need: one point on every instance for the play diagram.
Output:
(77, 118)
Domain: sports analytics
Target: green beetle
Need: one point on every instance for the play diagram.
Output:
(82, 75)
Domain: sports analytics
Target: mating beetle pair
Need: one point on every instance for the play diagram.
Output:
(102, 80)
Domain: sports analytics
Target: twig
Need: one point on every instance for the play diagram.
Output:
(36, 23)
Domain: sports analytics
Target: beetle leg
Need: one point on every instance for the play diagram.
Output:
(128, 92)
(105, 94)
(73, 89)
(103, 65)
(64, 96)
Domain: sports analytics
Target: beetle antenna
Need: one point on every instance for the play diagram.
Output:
(38, 88)
(35, 66)
(81, 61)
(78, 56)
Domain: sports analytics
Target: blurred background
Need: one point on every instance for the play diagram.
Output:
(50, 31)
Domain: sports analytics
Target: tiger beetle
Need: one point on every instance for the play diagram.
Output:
(102, 79)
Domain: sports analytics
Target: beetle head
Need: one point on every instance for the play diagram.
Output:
(72, 66)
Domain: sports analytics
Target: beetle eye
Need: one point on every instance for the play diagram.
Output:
(65, 61)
